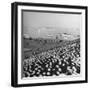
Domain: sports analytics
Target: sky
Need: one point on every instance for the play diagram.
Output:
(40, 24)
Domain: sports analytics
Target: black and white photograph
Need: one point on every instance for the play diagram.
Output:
(51, 44)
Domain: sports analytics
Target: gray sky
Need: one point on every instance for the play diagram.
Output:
(37, 24)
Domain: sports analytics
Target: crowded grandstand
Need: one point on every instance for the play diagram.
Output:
(56, 61)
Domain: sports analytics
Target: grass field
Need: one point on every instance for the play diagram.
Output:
(35, 46)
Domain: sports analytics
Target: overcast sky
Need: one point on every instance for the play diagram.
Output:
(37, 24)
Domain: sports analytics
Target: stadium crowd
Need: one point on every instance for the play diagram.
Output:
(61, 60)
